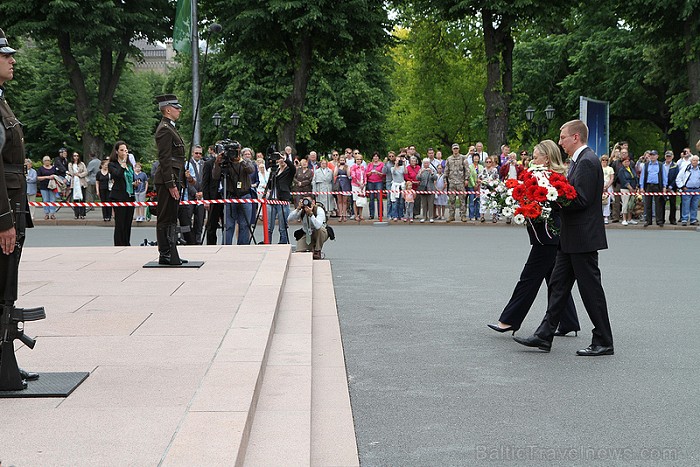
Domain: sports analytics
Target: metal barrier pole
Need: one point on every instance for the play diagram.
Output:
(266, 238)
(381, 205)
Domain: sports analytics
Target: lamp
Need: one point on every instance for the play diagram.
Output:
(536, 128)
(217, 119)
(235, 119)
(548, 112)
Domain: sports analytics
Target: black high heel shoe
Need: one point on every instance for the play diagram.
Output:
(499, 329)
(563, 334)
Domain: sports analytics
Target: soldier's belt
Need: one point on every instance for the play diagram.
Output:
(14, 169)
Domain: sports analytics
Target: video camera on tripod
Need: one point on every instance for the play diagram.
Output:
(230, 149)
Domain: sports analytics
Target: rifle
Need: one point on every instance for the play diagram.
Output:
(12, 318)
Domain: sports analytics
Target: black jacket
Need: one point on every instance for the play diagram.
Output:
(118, 192)
(582, 227)
(210, 187)
(280, 185)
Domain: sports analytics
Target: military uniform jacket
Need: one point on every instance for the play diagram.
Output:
(456, 171)
(171, 155)
(12, 179)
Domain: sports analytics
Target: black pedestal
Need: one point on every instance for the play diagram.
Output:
(189, 264)
(50, 385)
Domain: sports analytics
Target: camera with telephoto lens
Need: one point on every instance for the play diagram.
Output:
(230, 149)
(306, 203)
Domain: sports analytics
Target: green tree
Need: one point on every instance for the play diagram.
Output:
(346, 103)
(671, 29)
(45, 102)
(100, 29)
(307, 32)
(439, 80)
(499, 20)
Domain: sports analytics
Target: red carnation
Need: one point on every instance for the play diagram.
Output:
(511, 183)
(519, 192)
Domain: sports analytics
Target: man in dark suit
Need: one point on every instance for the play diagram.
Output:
(211, 190)
(582, 235)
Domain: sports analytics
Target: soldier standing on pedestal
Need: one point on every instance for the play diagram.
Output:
(13, 188)
(168, 178)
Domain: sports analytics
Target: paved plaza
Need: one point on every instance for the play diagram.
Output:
(430, 384)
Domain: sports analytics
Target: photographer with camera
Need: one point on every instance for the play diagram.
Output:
(234, 171)
(280, 188)
(313, 233)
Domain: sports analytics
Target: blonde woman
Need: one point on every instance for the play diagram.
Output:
(540, 263)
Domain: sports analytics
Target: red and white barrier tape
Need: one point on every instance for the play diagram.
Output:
(120, 204)
(205, 202)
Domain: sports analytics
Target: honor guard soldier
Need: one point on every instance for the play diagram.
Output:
(168, 179)
(13, 194)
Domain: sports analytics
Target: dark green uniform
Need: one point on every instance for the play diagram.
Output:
(13, 187)
(171, 162)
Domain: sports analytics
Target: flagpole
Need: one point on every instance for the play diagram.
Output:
(194, 39)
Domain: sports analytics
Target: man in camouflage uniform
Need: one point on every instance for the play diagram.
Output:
(457, 175)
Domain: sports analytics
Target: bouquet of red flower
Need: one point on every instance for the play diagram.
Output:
(532, 195)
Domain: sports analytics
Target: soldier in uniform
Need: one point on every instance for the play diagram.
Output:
(13, 186)
(168, 179)
(457, 175)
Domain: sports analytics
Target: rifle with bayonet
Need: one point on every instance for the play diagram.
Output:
(12, 319)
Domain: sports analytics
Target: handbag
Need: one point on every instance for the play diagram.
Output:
(52, 184)
(361, 201)
(606, 195)
(331, 232)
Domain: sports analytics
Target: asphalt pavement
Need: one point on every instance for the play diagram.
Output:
(431, 385)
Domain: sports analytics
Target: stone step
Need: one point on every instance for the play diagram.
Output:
(217, 427)
(281, 429)
(333, 441)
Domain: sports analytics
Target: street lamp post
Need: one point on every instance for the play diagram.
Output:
(216, 118)
(539, 128)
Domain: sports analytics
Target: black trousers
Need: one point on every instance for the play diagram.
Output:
(672, 201)
(583, 269)
(184, 214)
(198, 221)
(106, 210)
(216, 215)
(122, 225)
(538, 267)
(658, 200)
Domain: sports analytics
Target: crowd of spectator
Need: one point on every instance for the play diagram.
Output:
(404, 174)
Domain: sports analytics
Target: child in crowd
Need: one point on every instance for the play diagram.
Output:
(440, 200)
(410, 196)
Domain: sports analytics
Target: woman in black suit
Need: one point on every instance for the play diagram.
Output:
(540, 263)
(122, 175)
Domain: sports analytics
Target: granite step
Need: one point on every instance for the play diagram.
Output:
(281, 430)
(333, 441)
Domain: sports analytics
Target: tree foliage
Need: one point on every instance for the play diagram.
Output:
(308, 33)
(81, 29)
(439, 80)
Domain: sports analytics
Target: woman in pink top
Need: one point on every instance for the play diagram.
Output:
(411, 175)
(375, 181)
(358, 178)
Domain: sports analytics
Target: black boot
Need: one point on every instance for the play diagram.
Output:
(175, 259)
(163, 245)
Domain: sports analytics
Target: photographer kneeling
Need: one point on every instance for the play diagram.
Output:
(313, 233)
(230, 167)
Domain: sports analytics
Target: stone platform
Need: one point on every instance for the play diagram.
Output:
(238, 362)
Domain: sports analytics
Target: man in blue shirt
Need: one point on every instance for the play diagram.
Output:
(670, 173)
(652, 180)
(689, 180)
